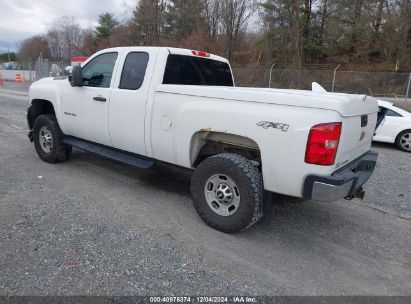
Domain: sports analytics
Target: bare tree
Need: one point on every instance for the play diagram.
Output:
(65, 38)
(235, 16)
(307, 11)
(32, 48)
(56, 44)
(296, 46)
(122, 35)
(72, 34)
(212, 14)
(324, 14)
(89, 44)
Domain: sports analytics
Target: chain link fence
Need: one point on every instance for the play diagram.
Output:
(45, 68)
(380, 84)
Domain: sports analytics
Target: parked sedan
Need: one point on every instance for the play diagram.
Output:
(396, 126)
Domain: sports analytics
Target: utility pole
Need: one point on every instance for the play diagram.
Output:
(8, 53)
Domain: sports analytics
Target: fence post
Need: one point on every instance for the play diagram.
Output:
(408, 88)
(335, 75)
(271, 74)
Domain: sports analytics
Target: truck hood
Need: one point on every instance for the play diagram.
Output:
(49, 83)
(346, 105)
(46, 88)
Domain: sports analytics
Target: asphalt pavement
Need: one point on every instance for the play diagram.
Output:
(90, 226)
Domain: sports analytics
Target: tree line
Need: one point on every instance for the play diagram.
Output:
(291, 33)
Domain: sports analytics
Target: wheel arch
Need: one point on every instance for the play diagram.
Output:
(39, 107)
(408, 128)
(397, 138)
(206, 143)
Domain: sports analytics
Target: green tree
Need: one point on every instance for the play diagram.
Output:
(6, 57)
(149, 21)
(106, 25)
(184, 17)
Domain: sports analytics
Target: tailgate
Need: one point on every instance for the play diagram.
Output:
(356, 137)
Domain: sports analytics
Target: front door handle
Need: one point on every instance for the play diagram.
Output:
(101, 99)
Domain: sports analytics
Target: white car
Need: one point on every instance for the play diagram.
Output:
(142, 105)
(395, 128)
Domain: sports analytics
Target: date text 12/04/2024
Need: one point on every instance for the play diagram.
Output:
(203, 299)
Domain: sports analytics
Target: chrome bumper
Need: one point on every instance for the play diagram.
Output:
(345, 183)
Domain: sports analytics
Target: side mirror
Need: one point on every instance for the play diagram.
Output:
(76, 78)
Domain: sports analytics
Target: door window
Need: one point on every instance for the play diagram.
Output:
(134, 70)
(99, 71)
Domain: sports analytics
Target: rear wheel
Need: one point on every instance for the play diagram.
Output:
(227, 192)
(403, 141)
(48, 140)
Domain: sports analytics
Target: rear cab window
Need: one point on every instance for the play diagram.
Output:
(188, 70)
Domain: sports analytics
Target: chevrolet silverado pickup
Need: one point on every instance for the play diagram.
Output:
(146, 105)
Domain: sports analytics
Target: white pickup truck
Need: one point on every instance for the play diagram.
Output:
(147, 105)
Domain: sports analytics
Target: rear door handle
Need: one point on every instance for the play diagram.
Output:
(101, 99)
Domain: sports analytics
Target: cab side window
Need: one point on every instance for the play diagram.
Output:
(99, 71)
(134, 70)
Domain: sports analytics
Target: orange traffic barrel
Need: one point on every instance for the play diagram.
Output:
(1, 80)
(18, 77)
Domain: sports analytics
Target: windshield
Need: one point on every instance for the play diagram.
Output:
(187, 70)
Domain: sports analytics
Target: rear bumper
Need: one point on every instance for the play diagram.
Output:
(345, 183)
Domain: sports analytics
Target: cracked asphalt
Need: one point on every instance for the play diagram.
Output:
(90, 226)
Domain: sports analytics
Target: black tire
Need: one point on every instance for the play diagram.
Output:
(248, 180)
(398, 142)
(59, 152)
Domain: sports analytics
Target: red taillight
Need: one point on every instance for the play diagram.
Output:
(323, 143)
(200, 54)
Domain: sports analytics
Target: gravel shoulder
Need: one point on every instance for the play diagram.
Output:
(93, 227)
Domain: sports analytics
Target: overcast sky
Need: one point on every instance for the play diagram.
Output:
(20, 19)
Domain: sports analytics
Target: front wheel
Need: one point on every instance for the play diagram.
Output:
(227, 192)
(403, 141)
(48, 140)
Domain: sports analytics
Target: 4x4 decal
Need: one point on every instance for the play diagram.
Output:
(274, 125)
